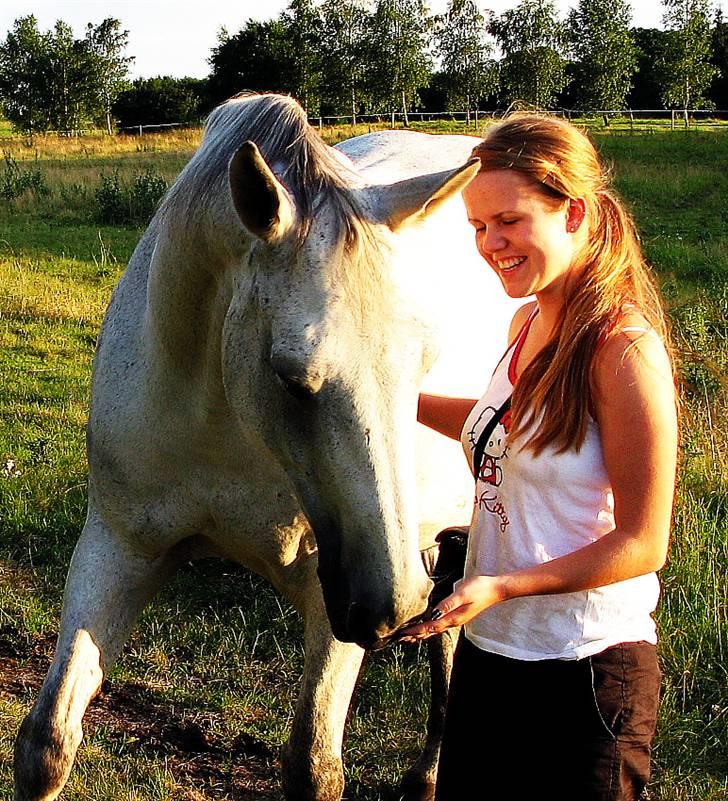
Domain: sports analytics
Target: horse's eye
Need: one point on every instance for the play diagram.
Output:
(300, 379)
(300, 388)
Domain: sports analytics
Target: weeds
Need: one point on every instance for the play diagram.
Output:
(15, 182)
(118, 204)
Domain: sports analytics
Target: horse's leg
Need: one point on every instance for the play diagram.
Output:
(108, 584)
(312, 766)
(444, 563)
(419, 781)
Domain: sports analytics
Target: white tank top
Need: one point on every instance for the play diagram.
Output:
(531, 509)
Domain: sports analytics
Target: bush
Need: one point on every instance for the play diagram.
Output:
(14, 181)
(117, 204)
(110, 202)
(147, 191)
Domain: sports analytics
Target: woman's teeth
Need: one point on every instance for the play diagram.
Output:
(509, 264)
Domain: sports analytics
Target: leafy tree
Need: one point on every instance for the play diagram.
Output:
(303, 36)
(719, 59)
(24, 70)
(434, 96)
(465, 53)
(685, 66)
(254, 59)
(605, 52)
(71, 81)
(399, 58)
(345, 28)
(106, 43)
(161, 100)
(53, 80)
(532, 39)
(646, 92)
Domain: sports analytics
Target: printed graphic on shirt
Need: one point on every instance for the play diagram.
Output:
(490, 475)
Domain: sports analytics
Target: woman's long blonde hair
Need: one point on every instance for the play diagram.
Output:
(554, 393)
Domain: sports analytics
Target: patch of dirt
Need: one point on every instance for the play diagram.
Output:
(204, 765)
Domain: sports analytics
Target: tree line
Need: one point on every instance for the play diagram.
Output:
(355, 57)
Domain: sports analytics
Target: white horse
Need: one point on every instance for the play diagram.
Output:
(254, 396)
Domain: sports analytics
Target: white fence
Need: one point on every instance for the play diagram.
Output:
(701, 118)
(634, 119)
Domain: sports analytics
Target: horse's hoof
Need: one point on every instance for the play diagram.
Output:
(415, 787)
(43, 760)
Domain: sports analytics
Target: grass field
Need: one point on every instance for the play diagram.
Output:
(200, 701)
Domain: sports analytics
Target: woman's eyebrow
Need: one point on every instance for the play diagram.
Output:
(496, 216)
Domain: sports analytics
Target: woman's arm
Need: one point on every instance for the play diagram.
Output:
(446, 415)
(634, 401)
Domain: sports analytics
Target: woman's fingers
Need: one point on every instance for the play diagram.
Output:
(469, 599)
(438, 625)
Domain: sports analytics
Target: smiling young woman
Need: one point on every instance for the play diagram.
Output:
(557, 669)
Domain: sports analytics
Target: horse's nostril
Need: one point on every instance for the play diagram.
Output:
(365, 625)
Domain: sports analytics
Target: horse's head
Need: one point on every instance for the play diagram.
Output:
(323, 356)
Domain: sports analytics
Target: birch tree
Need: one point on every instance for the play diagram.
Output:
(70, 79)
(399, 57)
(345, 29)
(303, 23)
(533, 68)
(461, 42)
(604, 51)
(685, 68)
(106, 43)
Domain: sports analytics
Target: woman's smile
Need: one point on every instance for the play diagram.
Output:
(509, 265)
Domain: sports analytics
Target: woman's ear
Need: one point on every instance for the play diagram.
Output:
(575, 213)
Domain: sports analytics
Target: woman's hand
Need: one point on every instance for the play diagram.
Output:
(470, 598)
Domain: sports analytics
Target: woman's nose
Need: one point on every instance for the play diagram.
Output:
(491, 241)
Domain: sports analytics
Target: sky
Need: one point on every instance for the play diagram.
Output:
(169, 37)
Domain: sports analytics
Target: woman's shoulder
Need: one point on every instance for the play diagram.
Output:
(519, 319)
(631, 356)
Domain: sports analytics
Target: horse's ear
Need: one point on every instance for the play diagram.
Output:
(412, 200)
(260, 199)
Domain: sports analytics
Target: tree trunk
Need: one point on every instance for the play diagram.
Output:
(404, 110)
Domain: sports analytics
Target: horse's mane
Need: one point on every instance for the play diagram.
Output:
(280, 129)
(308, 168)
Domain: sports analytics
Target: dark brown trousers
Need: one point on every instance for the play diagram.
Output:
(571, 730)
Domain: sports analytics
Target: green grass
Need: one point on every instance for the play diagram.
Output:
(217, 646)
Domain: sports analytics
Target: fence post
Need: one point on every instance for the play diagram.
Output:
(141, 130)
(672, 119)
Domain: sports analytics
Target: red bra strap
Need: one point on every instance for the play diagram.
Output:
(520, 340)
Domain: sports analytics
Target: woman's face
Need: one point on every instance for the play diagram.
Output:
(528, 239)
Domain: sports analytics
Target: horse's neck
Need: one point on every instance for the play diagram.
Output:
(188, 293)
